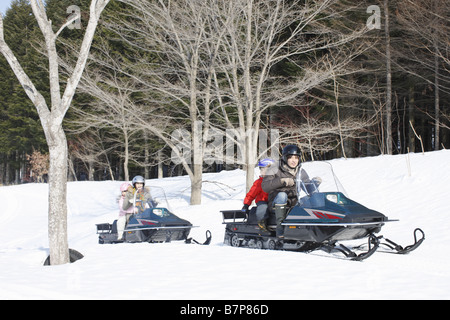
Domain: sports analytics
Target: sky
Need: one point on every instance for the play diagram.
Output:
(4, 4)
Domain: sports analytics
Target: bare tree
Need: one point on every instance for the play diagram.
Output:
(52, 118)
(427, 23)
(179, 78)
(110, 108)
(315, 133)
(90, 149)
(215, 64)
(258, 36)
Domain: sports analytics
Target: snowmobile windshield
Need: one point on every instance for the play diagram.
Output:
(317, 177)
(158, 199)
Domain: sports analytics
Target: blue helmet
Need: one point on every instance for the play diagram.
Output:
(265, 163)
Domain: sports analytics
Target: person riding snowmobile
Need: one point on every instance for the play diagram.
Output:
(124, 215)
(139, 197)
(256, 193)
(280, 184)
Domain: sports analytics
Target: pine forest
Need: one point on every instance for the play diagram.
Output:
(191, 86)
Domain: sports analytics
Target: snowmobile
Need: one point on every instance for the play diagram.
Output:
(155, 224)
(320, 220)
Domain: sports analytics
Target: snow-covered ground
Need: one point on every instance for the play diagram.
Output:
(181, 271)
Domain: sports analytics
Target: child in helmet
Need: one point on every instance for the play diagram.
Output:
(138, 197)
(124, 215)
(256, 193)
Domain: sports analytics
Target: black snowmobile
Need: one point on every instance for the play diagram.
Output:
(155, 224)
(319, 221)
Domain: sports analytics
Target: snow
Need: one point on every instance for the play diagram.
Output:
(187, 271)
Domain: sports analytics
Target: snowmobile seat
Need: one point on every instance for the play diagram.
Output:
(252, 217)
(114, 227)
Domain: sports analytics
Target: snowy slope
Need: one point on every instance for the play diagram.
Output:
(180, 271)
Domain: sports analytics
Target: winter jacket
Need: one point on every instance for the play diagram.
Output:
(136, 199)
(272, 183)
(123, 212)
(256, 193)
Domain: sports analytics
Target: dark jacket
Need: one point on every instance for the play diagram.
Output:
(272, 183)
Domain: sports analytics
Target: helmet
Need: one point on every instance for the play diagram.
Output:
(124, 186)
(265, 163)
(290, 150)
(138, 179)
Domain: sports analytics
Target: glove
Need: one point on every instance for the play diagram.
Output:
(153, 203)
(245, 208)
(288, 182)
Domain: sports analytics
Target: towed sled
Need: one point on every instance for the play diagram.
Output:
(321, 220)
(155, 224)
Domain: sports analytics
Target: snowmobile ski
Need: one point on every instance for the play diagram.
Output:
(373, 243)
(398, 249)
(207, 241)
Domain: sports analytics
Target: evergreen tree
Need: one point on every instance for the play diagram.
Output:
(20, 129)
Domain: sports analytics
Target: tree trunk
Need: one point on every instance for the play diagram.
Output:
(388, 140)
(436, 97)
(196, 179)
(196, 185)
(411, 117)
(126, 157)
(57, 205)
(160, 164)
(251, 155)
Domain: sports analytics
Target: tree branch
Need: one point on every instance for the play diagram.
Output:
(31, 91)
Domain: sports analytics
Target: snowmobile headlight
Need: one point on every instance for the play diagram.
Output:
(332, 198)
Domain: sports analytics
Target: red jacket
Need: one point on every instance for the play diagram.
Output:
(256, 193)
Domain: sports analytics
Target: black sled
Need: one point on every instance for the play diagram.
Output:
(320, 221)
